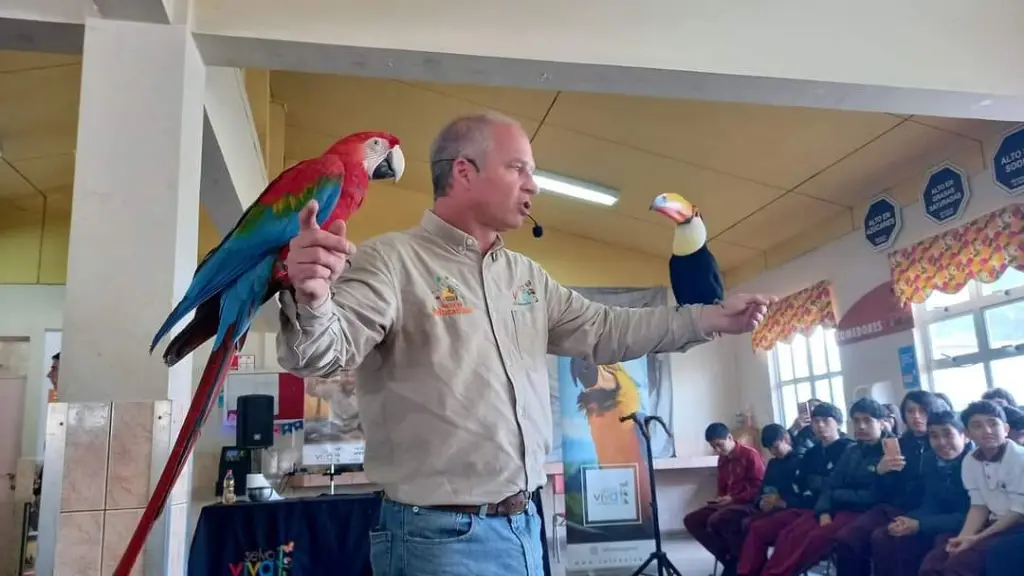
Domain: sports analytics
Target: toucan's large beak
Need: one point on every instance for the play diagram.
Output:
(391, 167)
(674, 206)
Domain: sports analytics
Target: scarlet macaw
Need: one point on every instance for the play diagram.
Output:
(246, 270)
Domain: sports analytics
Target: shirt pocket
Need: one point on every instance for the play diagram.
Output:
(529, 336)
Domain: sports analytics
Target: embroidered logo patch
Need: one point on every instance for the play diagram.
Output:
(525, 294)
(448, 300)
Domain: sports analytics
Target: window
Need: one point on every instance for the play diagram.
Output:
(808, 367)
(974, 340)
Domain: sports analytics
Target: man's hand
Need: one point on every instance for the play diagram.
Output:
(904, 526)
(825, 519)
(723, 500)
(891, 464)
(769, 502)
(316, 257)
(737, 314)
(960, 543)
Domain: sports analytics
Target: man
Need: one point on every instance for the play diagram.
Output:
(900, 485)
(811, 478)
(849, 492)
(740, 473)
(450, 332)
(802, 431)
(53, 395)
(1015, 419)
(899, 548)
(1000, 396)
(994, 478)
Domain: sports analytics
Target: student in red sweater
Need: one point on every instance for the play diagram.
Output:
(740, 473)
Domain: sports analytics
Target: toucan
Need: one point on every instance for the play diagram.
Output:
(692, 270)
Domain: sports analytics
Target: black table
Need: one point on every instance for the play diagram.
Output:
(302, 535)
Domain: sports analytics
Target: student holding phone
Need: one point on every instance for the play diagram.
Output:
(900, 484)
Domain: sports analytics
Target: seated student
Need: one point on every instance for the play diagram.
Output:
(1000, 396)
(802, 432)
(1015, 419)
(891, 422)
(850, 491)
(740, 472)
(994, 478)
(811, 477)
(899, 548)
(1006, 556)
(777, 492)
(900, 486)
(946, 399)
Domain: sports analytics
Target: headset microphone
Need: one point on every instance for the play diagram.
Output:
(538, 230)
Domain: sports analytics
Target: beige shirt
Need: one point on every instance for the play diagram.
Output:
(451, 347)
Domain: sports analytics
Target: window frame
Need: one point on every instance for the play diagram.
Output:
(976, 305)
(812, 379)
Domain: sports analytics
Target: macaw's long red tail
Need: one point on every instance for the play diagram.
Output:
(206, 393)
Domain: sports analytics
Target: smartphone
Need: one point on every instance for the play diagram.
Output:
(804, 408)
(891, 447)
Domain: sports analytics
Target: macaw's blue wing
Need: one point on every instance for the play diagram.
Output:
(264, 229)
(695, 278)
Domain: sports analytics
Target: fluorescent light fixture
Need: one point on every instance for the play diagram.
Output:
(578, 189)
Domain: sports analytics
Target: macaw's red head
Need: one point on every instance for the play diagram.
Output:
(377, 152)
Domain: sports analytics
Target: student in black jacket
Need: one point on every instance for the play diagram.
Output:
(849, 492)
(811, 477)
(802, 432)
(899, 548)
(777, 492)
(900, 485)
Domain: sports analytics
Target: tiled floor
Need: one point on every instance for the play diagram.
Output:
(685, 553)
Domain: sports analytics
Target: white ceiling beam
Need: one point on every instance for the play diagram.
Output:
(154, 11)
(951, 59)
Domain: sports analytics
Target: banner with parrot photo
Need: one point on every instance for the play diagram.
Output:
(607, 488)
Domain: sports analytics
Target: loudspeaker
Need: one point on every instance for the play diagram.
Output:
(255, 422)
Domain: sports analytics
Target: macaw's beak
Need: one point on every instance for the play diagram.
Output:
(391, 167)
(675, 207)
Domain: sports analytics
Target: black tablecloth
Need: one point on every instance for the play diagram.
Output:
(297, 537)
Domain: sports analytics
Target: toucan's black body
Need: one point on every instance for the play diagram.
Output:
(695, 278)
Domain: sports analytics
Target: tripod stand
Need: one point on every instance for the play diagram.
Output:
(665, 566)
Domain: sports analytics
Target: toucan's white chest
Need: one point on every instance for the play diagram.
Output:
(689, 237)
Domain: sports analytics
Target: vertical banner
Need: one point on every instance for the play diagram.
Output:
(607, 487)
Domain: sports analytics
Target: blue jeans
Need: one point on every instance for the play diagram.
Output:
(415, 541)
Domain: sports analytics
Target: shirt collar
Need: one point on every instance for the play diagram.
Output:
(997, 457)
(452, 237)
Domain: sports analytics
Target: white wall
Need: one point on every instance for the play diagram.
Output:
(854, 269)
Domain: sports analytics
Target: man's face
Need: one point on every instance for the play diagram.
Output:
(723, 446)
(916, 417)
(502, 193)
(946, 441)
(866, 428)
(988, 432)
(54, 370)
(824, 428)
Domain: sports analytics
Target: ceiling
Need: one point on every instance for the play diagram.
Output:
(761, 175)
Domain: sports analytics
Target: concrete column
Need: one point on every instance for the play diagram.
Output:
(135, 213)
(133, 242)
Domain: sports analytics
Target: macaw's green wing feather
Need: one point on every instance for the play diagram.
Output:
(265, 227)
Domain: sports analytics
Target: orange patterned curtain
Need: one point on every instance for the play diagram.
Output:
(800, 312)
(980, 250)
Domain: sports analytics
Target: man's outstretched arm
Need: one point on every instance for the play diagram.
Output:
(338, 333)
(581, 328)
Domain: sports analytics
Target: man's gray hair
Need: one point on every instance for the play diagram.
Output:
(466, 137)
